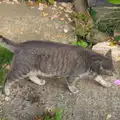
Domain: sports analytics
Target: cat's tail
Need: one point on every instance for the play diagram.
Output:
(8, 44)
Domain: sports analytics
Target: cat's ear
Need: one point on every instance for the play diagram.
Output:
(109, 54)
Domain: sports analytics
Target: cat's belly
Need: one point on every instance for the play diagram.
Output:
(40, 73)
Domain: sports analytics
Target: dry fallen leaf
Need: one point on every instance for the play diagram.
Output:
(60, 7)
(31, 4)
(112, 44)
(6, 66)
(41, 6)
(62, 19)
(38, 118)
(108, 116)
(54, 16)
(44, 14)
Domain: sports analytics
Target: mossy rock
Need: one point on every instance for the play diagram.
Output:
(108, 19)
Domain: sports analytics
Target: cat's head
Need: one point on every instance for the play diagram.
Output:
(104, 65)
(107, 64)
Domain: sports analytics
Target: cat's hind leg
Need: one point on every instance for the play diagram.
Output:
(36, 80)
(12, 77)
(18, 71)
(71, 81)
(7, 86)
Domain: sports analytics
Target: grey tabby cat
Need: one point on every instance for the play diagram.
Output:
(48, 59)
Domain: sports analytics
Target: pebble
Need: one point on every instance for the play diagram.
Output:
(65, 30)
(62, 19)
(53, 8)
(69, 19)
(41, 6)
(66, 5)
(55, 4)
(7, 99)
(66, 15)
(60, 7)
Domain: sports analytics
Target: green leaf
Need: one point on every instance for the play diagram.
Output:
(93, 13)
(2, 76)
(47, 117)
(58, 115)
(114, 1)
(82, 43)
(74, 43)
(5, 58)
(51, 1)
(117, 38)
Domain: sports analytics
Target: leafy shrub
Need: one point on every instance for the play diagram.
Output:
(57, 116)
(5, 60)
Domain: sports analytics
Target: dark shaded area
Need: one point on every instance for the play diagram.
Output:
(93, 3)
(64, 0)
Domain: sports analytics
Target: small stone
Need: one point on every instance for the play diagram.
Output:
(8, 67)
(66, 5)
(66, 15)
(68, 11)
(65, 30)
(69, 19)
(60, 7)
(53, 8)
(108, 116)
(32, 7)
(7, 99)
(16, 1)
(41, 6)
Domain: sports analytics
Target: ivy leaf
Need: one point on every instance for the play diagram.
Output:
(114, 1)
(82, 43)
(93, 13)
(117, 38)
(51, 1)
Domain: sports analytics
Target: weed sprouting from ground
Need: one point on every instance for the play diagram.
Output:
(5, 60)
(51, 115)
(57, 116)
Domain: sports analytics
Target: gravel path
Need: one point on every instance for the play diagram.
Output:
(20, 23)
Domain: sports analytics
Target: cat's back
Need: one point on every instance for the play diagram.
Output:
(40, 43)
(38, 46)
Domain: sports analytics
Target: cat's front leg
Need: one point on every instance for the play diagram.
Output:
(100, 80)
(36, 80)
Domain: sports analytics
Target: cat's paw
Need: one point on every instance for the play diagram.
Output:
(73, 89)
(42, 82)
(6, 91)
(107, 84)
